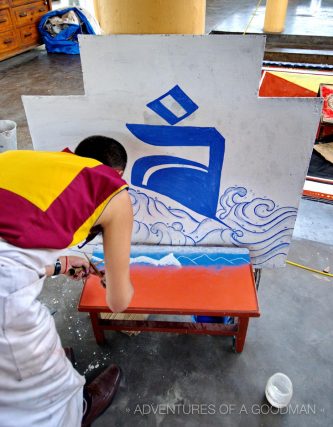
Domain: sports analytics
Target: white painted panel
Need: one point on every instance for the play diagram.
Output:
(119, 62)
(249, 196)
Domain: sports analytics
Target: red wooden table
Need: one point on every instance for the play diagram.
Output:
(229, 291)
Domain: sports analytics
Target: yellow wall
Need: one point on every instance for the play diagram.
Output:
(151, 16)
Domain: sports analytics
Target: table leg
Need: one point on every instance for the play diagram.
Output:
(98, 331)
(241, 334)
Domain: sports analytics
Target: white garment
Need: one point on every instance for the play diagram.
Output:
(35, 259)
(38, 385)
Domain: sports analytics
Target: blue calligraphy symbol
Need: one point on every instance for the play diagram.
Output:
(181, 98)
(190, 183)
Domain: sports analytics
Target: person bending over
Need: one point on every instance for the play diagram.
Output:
(49, 202)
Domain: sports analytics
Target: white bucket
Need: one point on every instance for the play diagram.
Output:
(7, 135)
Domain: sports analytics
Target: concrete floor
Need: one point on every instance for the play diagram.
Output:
(304, 17)
(162, 372)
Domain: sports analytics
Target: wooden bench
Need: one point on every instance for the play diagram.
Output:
(203, 289)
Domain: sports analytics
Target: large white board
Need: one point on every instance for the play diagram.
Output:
(210, 163)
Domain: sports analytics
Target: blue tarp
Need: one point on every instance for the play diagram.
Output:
(66, 41)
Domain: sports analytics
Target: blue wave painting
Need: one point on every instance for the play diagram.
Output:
(257, 224)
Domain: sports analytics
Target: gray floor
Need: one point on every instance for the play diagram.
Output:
(304, 17)
(162, 372)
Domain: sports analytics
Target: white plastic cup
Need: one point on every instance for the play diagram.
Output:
(279, 390)
(8, 139)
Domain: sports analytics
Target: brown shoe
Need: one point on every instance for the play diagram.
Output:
(101, 392)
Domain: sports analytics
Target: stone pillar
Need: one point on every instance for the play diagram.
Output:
(151, 16)
(275, 16)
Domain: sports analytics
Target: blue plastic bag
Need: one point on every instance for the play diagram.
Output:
(66, 41)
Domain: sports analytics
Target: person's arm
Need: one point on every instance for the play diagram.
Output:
(68, 262)
(117, 223)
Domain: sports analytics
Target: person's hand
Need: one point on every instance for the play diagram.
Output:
(75, 267)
